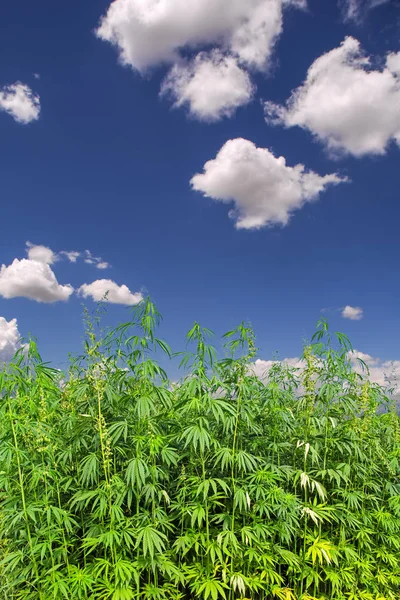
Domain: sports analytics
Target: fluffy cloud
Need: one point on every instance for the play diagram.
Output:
(354, 10)
(9, 339)
(354, 313)
(41, 253)
(345, 103)
(264, 189)
(148, 33)
(19, 101)
(32, 279)
(116, 294)
(211, 85)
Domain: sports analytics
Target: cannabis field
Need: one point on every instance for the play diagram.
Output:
(116, 484)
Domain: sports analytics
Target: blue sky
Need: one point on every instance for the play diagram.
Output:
(106, 166)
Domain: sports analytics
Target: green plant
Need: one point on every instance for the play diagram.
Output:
(116, 484)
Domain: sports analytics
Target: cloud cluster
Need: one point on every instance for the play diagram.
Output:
(115, 294)
(48, 256)
(264, 189)
(19, 101)
(97, 261)
(33, 278)
(380, 371)
(148, 33)
(346, 103)
(9, 339)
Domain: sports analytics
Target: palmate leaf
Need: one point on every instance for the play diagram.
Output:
(137, 472)
(150, 540)
(90, 470)
(211, 588)
(321, 551)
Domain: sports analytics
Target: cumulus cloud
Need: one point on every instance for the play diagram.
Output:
(211, 85)
(345, 103)
(116, 294)
(148, 33)
(264, 189)
(354, 313)
(41, 253)
(32, 279)
(9, 339)
(19, 101)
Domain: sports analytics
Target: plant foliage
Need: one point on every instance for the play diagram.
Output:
(116, 484)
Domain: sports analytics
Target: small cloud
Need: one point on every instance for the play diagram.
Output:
(19, 101)
(103, 265)
(114, 293)
(72, 255)
(354, 313)
(36, 75)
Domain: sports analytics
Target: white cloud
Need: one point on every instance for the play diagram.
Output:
(32, 279)
(41, 253)
(211, 85)
(381, 371)
(264, 189)
(103, 265)
(9, 339)
(354, 10)
(345, 103)
(19, 101)
(148, 33)
(354, 313)
(116, 294)
(72, 255)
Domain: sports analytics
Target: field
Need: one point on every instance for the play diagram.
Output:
(116, 484)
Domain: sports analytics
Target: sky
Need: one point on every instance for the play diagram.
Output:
(235, 159)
